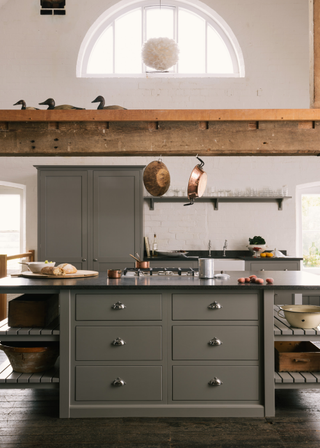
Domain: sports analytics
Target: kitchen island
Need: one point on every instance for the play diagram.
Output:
(163, 346)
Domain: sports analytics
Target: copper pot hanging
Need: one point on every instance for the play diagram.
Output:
(197, 182)
(156, 178)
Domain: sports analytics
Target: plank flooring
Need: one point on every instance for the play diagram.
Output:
(29, 419)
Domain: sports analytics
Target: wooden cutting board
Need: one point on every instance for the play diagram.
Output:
(78, 274)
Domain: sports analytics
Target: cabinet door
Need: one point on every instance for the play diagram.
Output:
(117, 217)
(62, 215)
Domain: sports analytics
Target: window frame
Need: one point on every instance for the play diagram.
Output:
(304, 189)
(13, 188)
(197, 7)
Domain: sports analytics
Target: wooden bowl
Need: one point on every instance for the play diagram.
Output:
(31, 357)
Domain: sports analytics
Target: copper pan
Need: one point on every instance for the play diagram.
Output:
(197, 182)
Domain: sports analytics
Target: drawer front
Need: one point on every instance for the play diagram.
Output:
(96, 383)
(191, 383)
(215, 342)
(206, 307)
(104, 343)
(275, 266)
(118, 307)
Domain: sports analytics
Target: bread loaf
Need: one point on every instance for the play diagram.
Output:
(62, 269)
(52, 270)
(68, 268)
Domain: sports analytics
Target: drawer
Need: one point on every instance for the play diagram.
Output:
(202, 342)
(100, 343)
(118, 307)
(95, 383)
(203, 307)
(275, 266)
(238, 383)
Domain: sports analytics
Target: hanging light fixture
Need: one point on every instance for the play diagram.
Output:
(160, 53)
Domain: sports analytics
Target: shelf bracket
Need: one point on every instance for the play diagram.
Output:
(279, 200)
(215, 203)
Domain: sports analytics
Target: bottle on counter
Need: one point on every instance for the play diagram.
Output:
(154, 246)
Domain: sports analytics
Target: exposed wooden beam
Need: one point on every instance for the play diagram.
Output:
(168, 138)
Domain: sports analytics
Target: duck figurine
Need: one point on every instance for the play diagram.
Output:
(102, 103)
(24, 105)
(50, 102)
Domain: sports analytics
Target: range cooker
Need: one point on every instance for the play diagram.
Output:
(171, 272)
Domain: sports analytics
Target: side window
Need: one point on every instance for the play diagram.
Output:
(12, 222)
(211, 49)
(309, 226)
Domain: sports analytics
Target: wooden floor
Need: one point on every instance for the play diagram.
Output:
(29, 418)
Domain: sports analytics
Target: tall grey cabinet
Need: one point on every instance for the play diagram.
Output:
(90, 216)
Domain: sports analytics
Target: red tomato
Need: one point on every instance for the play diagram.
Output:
(241, 280)
(247, 279)
(259, 280)
(269, 280)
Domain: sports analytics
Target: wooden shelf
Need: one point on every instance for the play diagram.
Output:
(216, 199)
(7, 115)
(15, 380)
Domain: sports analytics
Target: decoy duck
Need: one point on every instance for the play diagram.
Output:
(50, 102)
(102, 102)
(24, 106)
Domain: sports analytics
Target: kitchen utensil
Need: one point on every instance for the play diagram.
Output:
(36, 266)
(156, 178)
(301, 316)
(138, 256)
(142, 264)
(197, 182)
(206, 267)
(114, 273)
(31, 357)
(134, 257)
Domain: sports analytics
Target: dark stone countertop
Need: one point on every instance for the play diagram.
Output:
(283, 280)
(245, 255)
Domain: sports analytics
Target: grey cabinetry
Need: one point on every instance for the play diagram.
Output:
(215, 348)
(276, 265)
(117, 359)
(166, 354)
(90, 216)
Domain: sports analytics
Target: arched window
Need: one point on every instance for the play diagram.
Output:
(207, 45)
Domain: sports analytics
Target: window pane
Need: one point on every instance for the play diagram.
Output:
(101, 57)
(128, 43)
(311, 230)
(10, 224)
(159, 22)
(191, 41)
(219, 60)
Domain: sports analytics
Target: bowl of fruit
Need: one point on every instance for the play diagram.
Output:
(257, 245)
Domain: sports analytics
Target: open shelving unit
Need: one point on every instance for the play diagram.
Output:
(14, 380)
(216, 199)
(294, 380)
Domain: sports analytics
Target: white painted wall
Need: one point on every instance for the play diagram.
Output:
(38, 60)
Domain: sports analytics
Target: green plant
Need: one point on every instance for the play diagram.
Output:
(257, 240)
